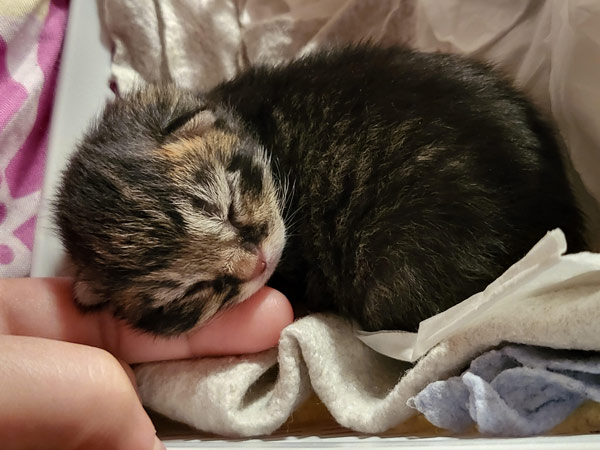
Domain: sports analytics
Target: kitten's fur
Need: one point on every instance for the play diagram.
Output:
(416, 179)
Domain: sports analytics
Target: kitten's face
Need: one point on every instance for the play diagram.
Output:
(169, 212)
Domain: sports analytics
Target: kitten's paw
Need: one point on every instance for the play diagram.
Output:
(85, 296)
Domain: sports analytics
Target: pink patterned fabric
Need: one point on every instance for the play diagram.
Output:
(31, 35)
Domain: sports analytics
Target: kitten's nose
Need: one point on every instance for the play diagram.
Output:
(261, 263)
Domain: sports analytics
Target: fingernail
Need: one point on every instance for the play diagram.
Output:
(158, 445)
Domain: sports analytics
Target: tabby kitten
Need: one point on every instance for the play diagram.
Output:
(414, 181)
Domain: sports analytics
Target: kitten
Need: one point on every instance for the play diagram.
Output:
(414, 180)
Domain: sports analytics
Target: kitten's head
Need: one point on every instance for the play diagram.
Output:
(169, 211)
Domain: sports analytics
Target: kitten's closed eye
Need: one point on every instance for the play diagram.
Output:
(207, 207)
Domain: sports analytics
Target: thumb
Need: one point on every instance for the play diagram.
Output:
(59, 395)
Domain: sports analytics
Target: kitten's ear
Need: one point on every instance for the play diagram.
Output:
(86, 297)
(200, 123)
(195, 122)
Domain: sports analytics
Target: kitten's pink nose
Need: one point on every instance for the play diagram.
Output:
(261, 263)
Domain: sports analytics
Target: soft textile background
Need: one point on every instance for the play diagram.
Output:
(31, 34)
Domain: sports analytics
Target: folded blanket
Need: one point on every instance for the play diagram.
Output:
(514, 391)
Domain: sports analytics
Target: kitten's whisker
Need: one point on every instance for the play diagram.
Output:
(289, 217)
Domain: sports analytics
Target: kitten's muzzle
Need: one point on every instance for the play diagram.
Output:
(254, 266)
(261, 264)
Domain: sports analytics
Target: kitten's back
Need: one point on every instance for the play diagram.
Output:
(419, 178)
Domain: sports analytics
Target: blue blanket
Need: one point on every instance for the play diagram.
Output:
(516, 390)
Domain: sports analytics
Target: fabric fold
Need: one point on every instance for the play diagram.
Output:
(362, 389)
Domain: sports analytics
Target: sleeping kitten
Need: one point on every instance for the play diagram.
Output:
(413, 181)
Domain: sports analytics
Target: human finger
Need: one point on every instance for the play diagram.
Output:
(58, 395)
(44, 307)
(250, 327)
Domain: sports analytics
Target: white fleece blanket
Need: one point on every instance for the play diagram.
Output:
(548, 46)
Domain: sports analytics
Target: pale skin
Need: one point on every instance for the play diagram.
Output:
(65, 376)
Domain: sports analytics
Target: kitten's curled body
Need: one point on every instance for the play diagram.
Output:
(416, 180)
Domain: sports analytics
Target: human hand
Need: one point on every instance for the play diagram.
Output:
(65, 377)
